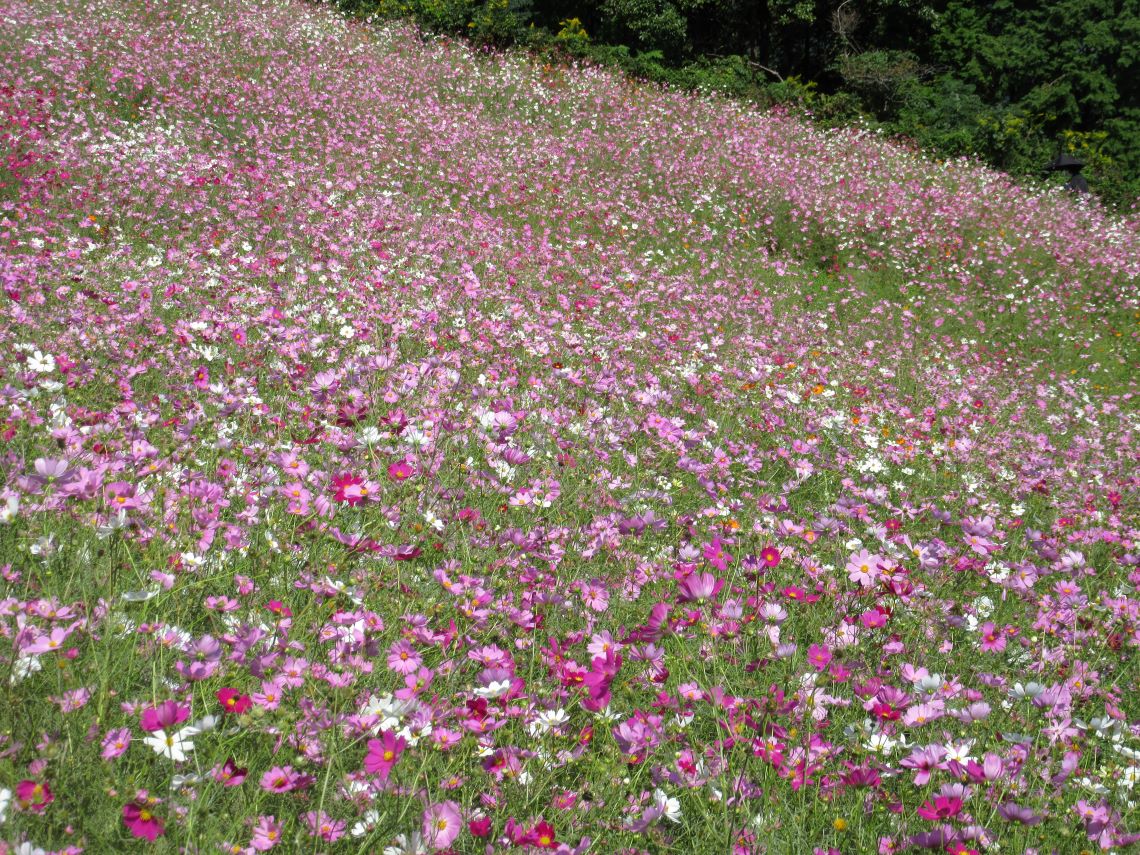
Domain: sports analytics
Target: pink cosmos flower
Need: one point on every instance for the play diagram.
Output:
(322, 825)
(699, 587)
(863, 568)
(716, 555)
(874, 618)
(280, 779)
(270, 695)
(141, 822)
(48, 642)
(164, 716)
(115, 743)
(414, 684)
(595, 597)
(924, 761)
(266, 834)
(383, 754)
(770, 556)
(819, 656)
(993, 639)
(403, 658)
(121, 496)
(401, 470)
(442, 824)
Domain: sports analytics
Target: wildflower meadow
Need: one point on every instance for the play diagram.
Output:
(411, 448)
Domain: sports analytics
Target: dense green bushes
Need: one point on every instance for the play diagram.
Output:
(1011, 82)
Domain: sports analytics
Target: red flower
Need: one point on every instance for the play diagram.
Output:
(279, 608)
(349, 489)
(142, 822)
(542, 836)
(230, 774)
(233, 701)
(480, 827)
(33, 796)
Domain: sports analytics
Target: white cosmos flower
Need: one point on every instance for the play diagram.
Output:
(188, 781)
(960, 753)
(416, 437)
(9, 509)
(367, 823)
(553, 718)
(5, 802)
(669, 806)
(140, 596)
(408, 844)
(41, 363)
(1129, 778)
(880, 743)
(174, 746)
(23, 667)
(496, 689)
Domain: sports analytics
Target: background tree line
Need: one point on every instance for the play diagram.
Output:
(1014, 82)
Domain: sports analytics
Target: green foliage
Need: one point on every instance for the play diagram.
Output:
(651, 25)
(1058, 68)
(880, 78)
(572, 36)
(494, 24)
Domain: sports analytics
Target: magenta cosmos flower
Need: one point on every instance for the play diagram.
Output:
(383, 754)
(233, 701)
(279, 608)
(164, 716)
(350, 489)
(716, 555)
(141, 822)
(33, 795)
(401, 470)
(943, 807)
(819, 656)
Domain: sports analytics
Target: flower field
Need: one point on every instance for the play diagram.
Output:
(411, 449)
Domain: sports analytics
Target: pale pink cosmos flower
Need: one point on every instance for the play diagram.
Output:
(442, 824)
(403, 658)
(115, 743)
(266, 834)
(863, 568)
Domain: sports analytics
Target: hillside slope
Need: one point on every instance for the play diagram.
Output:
(605, 454)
